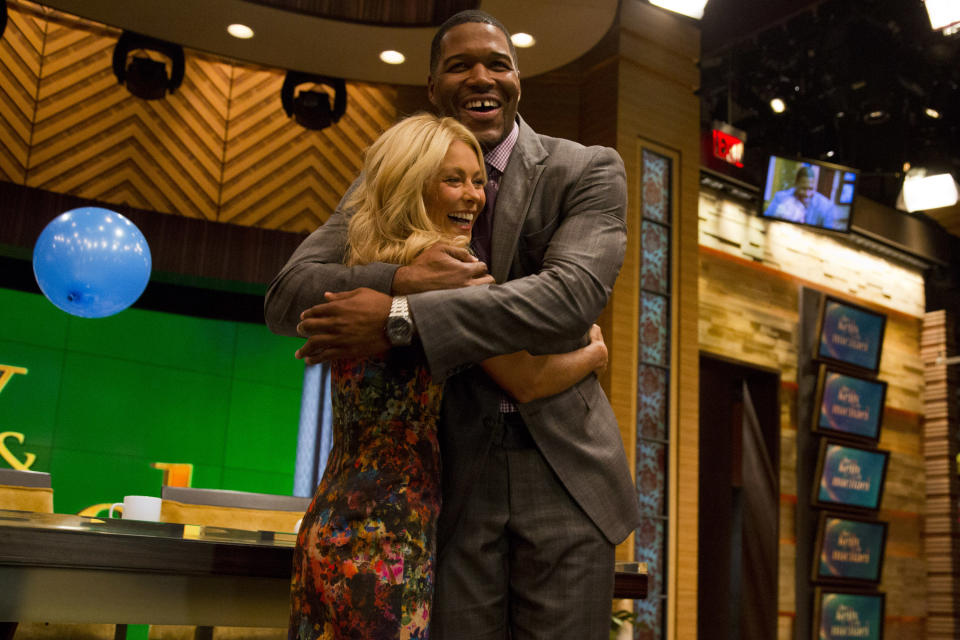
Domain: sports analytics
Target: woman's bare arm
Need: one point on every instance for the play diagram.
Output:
(526, 377)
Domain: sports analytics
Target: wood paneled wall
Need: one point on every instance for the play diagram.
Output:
(940, 450)
(656, 104)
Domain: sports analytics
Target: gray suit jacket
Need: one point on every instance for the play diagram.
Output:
(559, 237)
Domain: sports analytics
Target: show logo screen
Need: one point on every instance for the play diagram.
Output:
(850, 335)
(850, 476)
(845, 615)
(850, 549)
(849, 405)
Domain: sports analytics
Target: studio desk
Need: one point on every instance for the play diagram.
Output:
(66, 568)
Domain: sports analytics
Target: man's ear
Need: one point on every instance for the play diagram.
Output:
(431, 90)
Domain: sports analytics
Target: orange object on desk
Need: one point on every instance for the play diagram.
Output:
(25, 491)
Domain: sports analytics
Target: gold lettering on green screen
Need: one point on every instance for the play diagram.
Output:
(8, 371)
(12, 460)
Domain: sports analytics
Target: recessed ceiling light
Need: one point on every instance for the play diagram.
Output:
(392, 57)
(523, 40)
(778, 105)
(876, 116)
(932, 113)
(241, 31)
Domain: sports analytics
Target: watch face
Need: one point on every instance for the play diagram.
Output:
(399, 330)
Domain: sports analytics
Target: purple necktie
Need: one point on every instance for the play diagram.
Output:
(482, 228)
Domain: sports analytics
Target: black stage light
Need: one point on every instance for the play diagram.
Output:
(311, 109)
(144, 77)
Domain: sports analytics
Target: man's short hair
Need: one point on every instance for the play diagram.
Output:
(464, 17)
(805, 171)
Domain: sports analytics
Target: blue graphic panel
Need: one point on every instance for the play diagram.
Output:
(851, 476)
(851, 335)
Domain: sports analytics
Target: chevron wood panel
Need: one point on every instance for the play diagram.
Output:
(281, 176)
(219, 148)
(20, 63)
(92, 135)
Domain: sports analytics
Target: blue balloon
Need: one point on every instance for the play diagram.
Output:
(91, 262)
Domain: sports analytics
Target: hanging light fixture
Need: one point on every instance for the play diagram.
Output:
(143, 76)
(311, 109)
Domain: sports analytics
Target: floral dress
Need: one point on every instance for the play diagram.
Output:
(363, 566)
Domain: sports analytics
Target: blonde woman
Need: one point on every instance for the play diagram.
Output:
(364, 561)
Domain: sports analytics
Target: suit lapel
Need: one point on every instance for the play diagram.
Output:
(513, 199)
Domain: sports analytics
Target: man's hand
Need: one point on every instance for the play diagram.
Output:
(442, 266)
(351, 324)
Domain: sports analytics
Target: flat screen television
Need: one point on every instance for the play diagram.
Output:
(849, 335)
(849, 550)
(848, 406)
(849, 477)
(809, 192)
(846, 613)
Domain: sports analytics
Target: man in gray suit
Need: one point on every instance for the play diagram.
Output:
(535, 495)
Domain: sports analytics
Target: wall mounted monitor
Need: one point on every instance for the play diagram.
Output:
(809, 192)
(849, 477)
(845, 614)
(849, 550)
(848, 406)
(849, 335)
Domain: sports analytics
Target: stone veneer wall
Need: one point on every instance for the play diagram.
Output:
(750, 274)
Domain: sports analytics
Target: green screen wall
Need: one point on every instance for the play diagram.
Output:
(102, 399)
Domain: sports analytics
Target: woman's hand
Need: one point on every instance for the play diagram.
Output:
(600, 347)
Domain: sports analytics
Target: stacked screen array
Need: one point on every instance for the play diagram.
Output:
(850, 473)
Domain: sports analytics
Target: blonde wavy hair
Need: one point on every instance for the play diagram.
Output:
(390, 222)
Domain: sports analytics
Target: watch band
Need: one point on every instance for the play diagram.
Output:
(400, 328)
(399, 306)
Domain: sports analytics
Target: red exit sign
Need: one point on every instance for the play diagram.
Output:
(728, 147)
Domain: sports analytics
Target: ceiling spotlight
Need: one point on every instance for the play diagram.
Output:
(310, 108)
(778, 105)
(143, 76)
(240, 31)
(932, 113)
(692, 8)
(523, 40)
(922, 192)
(944, 14)
(830, 154)
(392, 57)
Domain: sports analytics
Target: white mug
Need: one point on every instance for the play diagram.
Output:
(138, 508)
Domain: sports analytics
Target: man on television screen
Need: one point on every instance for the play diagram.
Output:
(803, 203)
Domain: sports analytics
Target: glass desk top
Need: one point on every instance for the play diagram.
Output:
(139, 528)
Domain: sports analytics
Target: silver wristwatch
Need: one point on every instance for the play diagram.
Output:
(399, 323)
